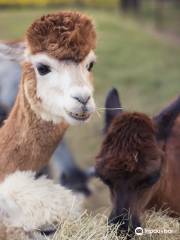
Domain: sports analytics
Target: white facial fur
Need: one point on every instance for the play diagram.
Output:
(58, 89)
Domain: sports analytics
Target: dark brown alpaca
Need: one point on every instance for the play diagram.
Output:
(140, 162)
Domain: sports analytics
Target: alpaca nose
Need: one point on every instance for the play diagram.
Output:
(82, 99)
(126, 223)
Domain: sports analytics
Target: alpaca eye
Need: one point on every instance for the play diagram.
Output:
(43, 69)
(90, 66)
(48, 232)
(150, 180)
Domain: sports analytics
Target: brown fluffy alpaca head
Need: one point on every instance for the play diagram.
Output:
(132, 140)
(130, 163)
(59, 57)
(129, 143)
(63, 35)
(132, 159)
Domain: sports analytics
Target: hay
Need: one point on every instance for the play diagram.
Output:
(89, 227)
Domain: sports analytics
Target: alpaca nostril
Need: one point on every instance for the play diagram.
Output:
(83, 100)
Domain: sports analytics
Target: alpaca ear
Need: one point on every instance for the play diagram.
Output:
(112, 107)
(166, 118)
(14, 51)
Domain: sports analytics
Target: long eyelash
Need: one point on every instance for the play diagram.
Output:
(150, 180)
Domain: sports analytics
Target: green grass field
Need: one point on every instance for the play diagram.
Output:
(145, 70)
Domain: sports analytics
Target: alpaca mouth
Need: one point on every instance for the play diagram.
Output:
(78, 116)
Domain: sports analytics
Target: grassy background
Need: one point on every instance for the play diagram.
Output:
(146, 71)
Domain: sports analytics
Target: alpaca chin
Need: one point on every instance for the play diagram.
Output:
(75, 120)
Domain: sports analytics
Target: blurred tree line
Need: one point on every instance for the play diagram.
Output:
(163, 13)
(124, 5)
(93, 3)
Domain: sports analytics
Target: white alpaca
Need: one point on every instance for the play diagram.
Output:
(30, 206)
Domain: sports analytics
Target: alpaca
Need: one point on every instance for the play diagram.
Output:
(62, 167)
(34, 207)
(139, 161)
(9, 82)
(56, 89)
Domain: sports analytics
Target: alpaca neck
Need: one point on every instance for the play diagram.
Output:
(169, 182)
(26, 141)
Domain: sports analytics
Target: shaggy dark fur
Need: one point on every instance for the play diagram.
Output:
(129, 139)
(64, 35)
(139, 162)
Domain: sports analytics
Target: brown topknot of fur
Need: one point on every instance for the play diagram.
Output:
(130, 140)
(63, 35)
